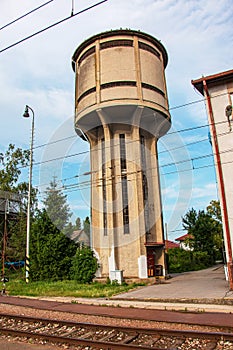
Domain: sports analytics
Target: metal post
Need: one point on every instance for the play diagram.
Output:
(26, 115)
(4, 239)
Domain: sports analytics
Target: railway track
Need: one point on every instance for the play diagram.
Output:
(94, 336)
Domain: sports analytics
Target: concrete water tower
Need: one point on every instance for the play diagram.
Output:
(121, 108)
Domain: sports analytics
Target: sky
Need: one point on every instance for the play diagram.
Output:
(37, 71)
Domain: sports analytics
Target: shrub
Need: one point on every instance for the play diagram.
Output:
(180, 260)
(84, 265)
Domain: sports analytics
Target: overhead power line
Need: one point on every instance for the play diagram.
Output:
(98, 181)
(111, 146)
(26, 14)
(169, 133)
(163, 151)
(53, 25)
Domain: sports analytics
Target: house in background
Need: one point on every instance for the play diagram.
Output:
(171, 244)
(81, 237)
(184, 241)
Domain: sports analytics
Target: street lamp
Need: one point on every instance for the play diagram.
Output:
(27, 115)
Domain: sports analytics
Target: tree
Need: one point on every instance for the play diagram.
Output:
(189, 220)
(204, 235)
(78, 224)
(12, 162)
(214, 210)
(51, 251)
(86, 225)
(206, 229)
(84, 265)
(56, 206)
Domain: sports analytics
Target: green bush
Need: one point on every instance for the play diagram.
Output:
(51, 252)
(84, 265)
(180, 260)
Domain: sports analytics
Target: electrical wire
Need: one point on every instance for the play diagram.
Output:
(169, 150)
(116, 145)
(52, 25)
(98, 182)
(164, 165)
(56, 141)
(169, 133)
(26, 14)
(89, 173)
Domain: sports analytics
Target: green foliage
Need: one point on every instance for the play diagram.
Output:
(84, 265)
(11, 163)
(214, 210)
(13, 159)
(51, 251)
(65, 288)
(56, 206)
(86, 225)
(180, 260)
(16, 244)
(189, 220)
(78, 224)
(206, 229)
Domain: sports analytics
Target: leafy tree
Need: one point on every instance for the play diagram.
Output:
(214, 210)
(84, 265)
(51, 251)
(16, 230)
(206, 229)
(12, 162)
(204, 235)
(56, 206)
(86, 225)
(189, 220)
(78, 224)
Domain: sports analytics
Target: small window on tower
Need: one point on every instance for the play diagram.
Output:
(124, 184)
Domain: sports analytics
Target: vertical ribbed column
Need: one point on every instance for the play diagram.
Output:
(96, 194)
(108, 173)
(154, 197)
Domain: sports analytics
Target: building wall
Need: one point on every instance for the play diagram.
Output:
(221, 97)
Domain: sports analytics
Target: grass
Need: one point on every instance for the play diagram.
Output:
(67, 288)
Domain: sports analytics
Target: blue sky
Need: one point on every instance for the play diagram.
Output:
(198, 38)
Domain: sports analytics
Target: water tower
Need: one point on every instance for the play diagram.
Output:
(121, 108)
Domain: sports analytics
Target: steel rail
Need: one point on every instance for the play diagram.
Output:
(131, 333)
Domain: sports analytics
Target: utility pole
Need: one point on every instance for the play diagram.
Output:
(4, 246)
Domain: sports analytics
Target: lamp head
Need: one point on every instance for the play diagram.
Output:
(26, 113)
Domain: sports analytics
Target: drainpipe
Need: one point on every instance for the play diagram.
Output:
(222, 187)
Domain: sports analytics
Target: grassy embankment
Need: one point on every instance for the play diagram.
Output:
(68, 288)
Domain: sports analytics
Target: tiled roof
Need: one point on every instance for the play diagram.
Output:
(184, 237)
(170, 244)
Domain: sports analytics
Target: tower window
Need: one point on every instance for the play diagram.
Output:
(144, 184)
(115, 43)
(104, 188)
(124, 184)
(148, 48)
